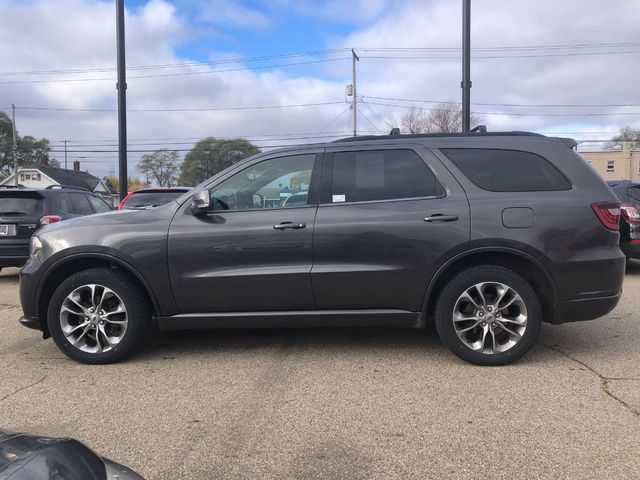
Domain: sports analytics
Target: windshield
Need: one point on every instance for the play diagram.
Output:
(151, 199)
(20, 205)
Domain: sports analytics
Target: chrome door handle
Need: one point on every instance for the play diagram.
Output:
(438, 217)
(289, 226)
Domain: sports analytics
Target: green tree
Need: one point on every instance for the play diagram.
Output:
(132, 183)
(30, 150)
(161, 166)
(212, 155)
(627, 134)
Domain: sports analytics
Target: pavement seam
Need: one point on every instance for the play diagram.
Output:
(23, 388)
(604, 380)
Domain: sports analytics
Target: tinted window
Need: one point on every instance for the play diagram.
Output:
(79, 203)
(507, 170)
(151, 199)
(20, 205)
(99, 205)
(62, 203)
(634, 194)
(381, 175)
(267, 184)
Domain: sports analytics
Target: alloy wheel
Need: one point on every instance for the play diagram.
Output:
(93, 318)
(490, 317)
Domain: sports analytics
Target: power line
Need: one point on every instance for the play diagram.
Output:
(483, 57)
(176, 65)
(509, 104)
(517, 114)
(364, 115)
(208, 109)
(321, 52)
(177, 74)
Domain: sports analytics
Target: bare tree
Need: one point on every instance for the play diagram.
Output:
(445, 117)
(414, 120)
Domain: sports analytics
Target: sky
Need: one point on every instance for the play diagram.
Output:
(200, 68)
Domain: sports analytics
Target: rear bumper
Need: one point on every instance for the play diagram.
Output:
(630, 250)
(13, 253)
(583, 309)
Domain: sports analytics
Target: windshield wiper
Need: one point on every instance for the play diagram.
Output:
(13, 213)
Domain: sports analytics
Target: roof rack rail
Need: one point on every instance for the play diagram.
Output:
(480, 130)
(66, 187)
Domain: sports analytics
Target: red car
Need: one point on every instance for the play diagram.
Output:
(151, 197)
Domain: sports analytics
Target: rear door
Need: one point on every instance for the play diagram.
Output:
(20, 213)
(388, 217)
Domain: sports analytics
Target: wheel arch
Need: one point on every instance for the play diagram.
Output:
(520, 262)
(77, 263)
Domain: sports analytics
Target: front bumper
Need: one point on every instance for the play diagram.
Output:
(30, 322)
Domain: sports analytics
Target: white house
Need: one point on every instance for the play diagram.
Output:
(43, 176)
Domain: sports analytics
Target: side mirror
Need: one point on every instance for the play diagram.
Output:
(200, 201)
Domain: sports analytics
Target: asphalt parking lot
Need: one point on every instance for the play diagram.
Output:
(335, 404)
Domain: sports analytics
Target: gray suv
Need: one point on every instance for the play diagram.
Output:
(485, 234)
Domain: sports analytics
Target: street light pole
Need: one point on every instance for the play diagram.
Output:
(122, 100)
(466, 65)
(354, 102)
(14, 147)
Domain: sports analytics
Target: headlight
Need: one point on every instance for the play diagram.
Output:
(36, 246)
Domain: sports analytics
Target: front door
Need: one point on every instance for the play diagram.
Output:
(252, 251)
(388, 218)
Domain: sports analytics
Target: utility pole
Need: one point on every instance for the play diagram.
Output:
(122, 101)
(354, 102)
(65, 154)
(466, 65)
(15, 145)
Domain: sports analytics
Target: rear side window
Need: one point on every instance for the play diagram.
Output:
(381, 175)
(99, 205)
(80, 204)
(507, 170)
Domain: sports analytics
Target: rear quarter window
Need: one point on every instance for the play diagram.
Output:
(507, 170)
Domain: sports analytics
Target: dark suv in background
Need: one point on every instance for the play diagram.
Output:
(486, 234)
(24, 210)
(628, 193)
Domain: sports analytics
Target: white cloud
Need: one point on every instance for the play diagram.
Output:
(43, 35)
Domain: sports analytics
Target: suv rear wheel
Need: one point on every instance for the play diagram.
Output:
(488, 315)
(98, 316)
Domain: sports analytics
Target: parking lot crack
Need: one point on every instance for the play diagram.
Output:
(8, 395)
(603, 379)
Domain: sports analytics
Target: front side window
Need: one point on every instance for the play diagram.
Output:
(381, 175)
(281, 182)
(507, 170)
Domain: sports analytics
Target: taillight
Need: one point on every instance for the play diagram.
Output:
(608, 213)
(49, 219)
(630, 213)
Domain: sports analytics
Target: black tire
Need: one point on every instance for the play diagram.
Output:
(458, 285)
(132, 296)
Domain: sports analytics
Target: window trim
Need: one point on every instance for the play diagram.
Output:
(327, 177)
(442, 152)
(315, 177)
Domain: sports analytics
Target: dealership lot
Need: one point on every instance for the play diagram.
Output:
(339, 403)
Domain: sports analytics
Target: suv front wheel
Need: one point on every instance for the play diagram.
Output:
(488, 315)
(98, 316)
